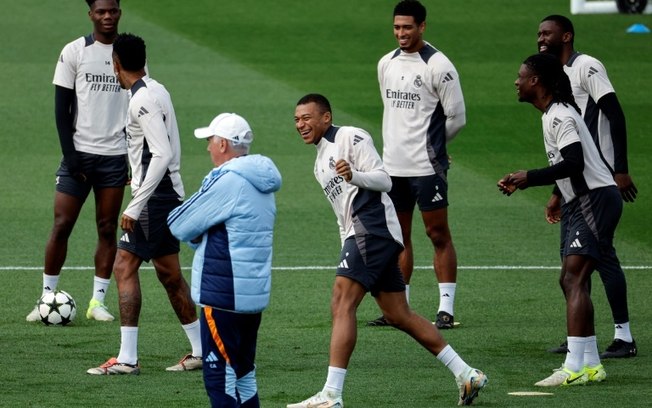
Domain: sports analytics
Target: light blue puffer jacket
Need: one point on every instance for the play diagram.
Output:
(233, 213)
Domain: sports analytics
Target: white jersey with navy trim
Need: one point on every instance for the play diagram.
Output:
(153, 146)
(589, 81)
(86, 66)
(423, 110)
(362, 205)
(562, 126)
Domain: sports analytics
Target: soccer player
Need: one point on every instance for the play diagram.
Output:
(604, 117)
(354, 181)
(230, 224)
(89, 108)
(590, 213)
(423, 111)
(154, 157)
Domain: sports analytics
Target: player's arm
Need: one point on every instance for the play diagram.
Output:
(449, 88)
(365, 168)
(573, 164)
(213, 204)
(64, 115)
(610, 107)
(157, 139)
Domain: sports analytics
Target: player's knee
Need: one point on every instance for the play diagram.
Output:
(106, 229)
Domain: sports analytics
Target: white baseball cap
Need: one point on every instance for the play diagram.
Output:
(228, 126)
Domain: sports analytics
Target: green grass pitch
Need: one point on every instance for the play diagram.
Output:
(257, 58)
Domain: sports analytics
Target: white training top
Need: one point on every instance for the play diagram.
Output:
(423, 110)
(86, 66)
(362, 205)
(153, 145)
(589, 81)
(562, 126)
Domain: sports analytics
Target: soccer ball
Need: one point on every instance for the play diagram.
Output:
(57, 308)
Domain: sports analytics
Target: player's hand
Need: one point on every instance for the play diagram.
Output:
(626, 186)
(74, 167)
(127, 223)
(505, 186)
(343, 168)
(553, 209)
(519, 179)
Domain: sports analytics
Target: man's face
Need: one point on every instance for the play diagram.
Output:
(524, 83)
(408, 33)
(310, 122)
(550, 38)
(105, 15)
(216, 149)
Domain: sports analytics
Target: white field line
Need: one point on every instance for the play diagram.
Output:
(315, 267)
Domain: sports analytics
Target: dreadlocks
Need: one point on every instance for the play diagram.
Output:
(553, 78)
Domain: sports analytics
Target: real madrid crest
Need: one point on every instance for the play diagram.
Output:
(418, 81)
(331, 163)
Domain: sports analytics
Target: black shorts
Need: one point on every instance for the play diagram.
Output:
(589, 223)
(373, 262)
(151, 237)
(430, 192)
(100, 171)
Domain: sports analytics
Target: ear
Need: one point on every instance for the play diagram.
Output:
(567, 37)
(328, 117)
(422, 27)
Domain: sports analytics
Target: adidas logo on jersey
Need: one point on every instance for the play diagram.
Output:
(592, 71)
(357, 139)
(576, 243)
(142, 111)
(556, 122)
(447, 78)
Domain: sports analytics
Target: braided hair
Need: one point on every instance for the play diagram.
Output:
(553, 78)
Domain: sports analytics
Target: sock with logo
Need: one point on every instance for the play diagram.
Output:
(49, 283)
(335, 381)
(591, 355)
(452, 361)
(447, 297)
(128, 345)
(621, 331)
(407, 293)
(575, 356)
(194, 335)
(100, 286)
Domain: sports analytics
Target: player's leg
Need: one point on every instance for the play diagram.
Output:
(68, 201)
(130, 300)
(347, 295)
(107, 209)
(469, 380)
(444, 262)
(168, 271)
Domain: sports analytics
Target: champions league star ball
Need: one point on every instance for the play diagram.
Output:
(57, 308)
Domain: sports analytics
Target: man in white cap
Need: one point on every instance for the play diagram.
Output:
(230, 224)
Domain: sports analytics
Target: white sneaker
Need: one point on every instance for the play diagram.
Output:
(34, 315)
(564, 377)
(469, 384)
(322, 399)
(187, 363)
(98, 311)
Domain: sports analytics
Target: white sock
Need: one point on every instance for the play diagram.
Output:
(591, 355)
(194, 335)
(335, 380)
(100, 286)
(49, 283)
(453, 361)
(447, 297)
(575, 356)
(621, 331)
(407, 293)
(128, 345)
